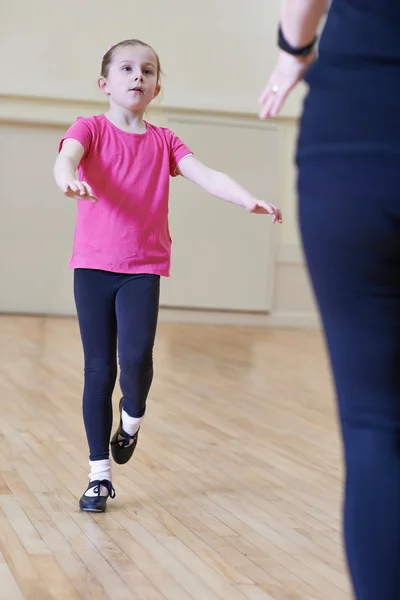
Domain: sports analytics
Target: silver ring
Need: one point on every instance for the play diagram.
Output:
(275, 89)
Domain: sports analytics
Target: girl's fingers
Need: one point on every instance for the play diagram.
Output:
(79, 190)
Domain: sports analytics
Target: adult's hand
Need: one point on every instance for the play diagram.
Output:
(288, 71)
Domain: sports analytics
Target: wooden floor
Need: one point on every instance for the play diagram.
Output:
(234, 491)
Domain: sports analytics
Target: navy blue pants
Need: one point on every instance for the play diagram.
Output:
(350, 224)
(115, 309)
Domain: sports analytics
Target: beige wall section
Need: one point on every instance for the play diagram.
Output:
(215, 53)
(289, 233)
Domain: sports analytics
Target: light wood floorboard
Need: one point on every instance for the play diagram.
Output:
(234, 492)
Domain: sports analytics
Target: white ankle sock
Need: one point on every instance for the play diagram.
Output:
(99, 470)
(130, 424)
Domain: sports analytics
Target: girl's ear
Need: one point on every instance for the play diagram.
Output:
(103, 85)
(157, 90)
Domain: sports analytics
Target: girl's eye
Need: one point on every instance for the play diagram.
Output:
(126, 68)
(148, 72)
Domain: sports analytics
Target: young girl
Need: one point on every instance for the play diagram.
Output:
(122, 246)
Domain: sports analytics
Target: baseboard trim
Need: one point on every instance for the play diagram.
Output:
(281, 319)
(295, 320)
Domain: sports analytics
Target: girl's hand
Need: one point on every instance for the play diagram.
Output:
(288, 71)
(259, 207)
(79, 190)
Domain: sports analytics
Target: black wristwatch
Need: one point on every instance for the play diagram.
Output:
(301, 51)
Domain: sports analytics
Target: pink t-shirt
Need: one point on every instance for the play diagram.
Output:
(126, 231)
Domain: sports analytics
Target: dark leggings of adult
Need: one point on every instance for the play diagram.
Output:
(350, 225)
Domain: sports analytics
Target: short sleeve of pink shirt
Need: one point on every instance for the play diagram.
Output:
(127, 230)
(82, 131)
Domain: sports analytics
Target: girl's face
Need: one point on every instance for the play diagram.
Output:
(132, 80)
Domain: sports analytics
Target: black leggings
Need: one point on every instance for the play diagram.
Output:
(350, 226)
(108, 303)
